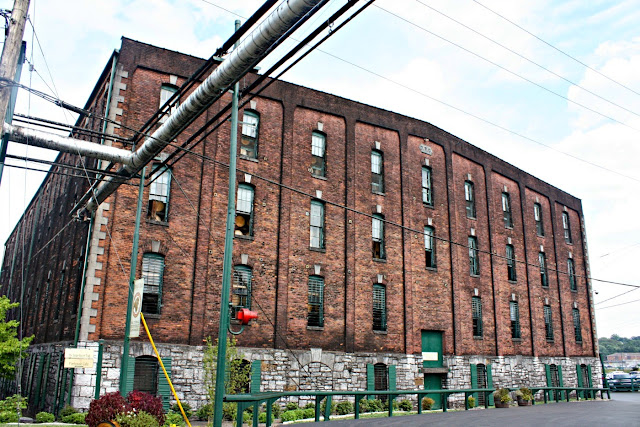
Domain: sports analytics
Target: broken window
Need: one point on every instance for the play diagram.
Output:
(379, 307)
(166, 92)
(159, 195)
(377, 172)
(315, 305)
(511, 263)
(514, 314)
(249, 140)
(316, 222)
(152, 273)
(506, 210)
(537, 216)
(377, 234)
(318, 153)
(427, 190)
(241, 288)
(429, 247)
(244, 211)
(470, 199)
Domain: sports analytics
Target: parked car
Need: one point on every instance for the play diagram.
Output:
(623, 382)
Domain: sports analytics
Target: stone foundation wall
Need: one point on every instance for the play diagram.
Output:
(284, 370)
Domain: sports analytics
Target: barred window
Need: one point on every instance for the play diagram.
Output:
(537, 216)
(577, 329)
(548, 323)
(511, 263)
(470, 199)
(379, 307)
(244, 211)
(377, 172)
(377, 235)
(544, 278)
(514, 314)
(474, 264)
(318, 154)
(316, 224)
(315, 305)
(159, 194)
(572, 274)
(250, 132)
(145, 377)
(566, 225)
(430, 246)
(427, 190)
(506, 210)
(152, 273)
(476, 316)
(381, 379)
(241, 288)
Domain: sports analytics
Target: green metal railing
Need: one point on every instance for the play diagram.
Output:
(246, 401)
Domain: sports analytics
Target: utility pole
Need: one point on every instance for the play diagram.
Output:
(226, 264)
(9, 63)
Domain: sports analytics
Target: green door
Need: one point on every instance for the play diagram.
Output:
(432, 358)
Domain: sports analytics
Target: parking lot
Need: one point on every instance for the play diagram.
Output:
(622, 410)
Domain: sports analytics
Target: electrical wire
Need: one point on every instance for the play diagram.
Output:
(617, 305)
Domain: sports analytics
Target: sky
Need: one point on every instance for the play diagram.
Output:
(552, 114)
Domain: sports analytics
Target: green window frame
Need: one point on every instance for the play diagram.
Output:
(153, 275)
(511, 263)
(427, 187)
(506, 210)
(548, 323)
(474, 262)
(571, 270)
(379, 307)
(318, 154)
(159, 191)
(514, 315)
(316, 225)
(315, 304)
(476, 316)
(430, 246)
(377, 171)
(544, 277)
(250, 134)
(537, 217)
(470, 199)
(577, 327)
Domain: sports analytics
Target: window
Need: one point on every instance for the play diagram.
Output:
(377, 234)
(318, 153)
(474, 265)
(566, 225)
(244, 211)
(470, 199)
(572, 275)
(511, 263)
(377, 172)
(250, 128)
(476, 315)
(577, 329)
(537, 216)
(548, 323)
(427, 190)
(159, 195)
(544, 278)
(152, 272)
(145, 377)
(381, 379)
(316, 221)
(430, 247)
(506, 210)
(315, 306)
(514, 314)
(241, 288)
(379, 307)
(166, 92)
(481, 370)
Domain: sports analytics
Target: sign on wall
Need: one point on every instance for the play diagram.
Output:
(78, 358)
(136, 308)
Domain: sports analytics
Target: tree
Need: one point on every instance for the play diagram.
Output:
(11, 348)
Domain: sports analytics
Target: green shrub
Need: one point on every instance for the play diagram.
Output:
(472, 402)
(364, 405)
(262, 418)
(323, 405)
(174, 419)
(427, 403)
(11, 403)
(45, 417)
(75, 418)
(376, 405)
(502, 395)
(187, 409)
(276, 410)
(247, 417)
(67, 410)
(308, 413)
(291, 406)
(345, 407)
(524, 393)
(296, 414)
(9, 417)
(405, 405)
(229, 411)
(385, 405)
(137, 419)
(205, 412)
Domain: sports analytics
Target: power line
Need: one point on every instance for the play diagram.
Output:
(619, 295)
(617, 305)
(555, 48)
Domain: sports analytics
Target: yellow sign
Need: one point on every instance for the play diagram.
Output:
(78, 358)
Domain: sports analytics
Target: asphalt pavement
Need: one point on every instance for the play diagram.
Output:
(622, 410)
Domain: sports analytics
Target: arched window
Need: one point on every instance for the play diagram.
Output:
(152, 273)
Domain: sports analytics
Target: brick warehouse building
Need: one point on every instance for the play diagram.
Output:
(347, 299)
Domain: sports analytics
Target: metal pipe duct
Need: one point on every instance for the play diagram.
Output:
(254, 47)
(41, 139)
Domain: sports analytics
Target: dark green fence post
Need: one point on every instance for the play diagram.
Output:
(99, 370)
